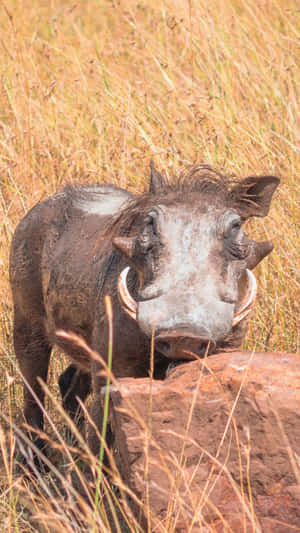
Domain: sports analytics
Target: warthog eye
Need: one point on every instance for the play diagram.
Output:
(233, 239)
(232, 228)
(235, 228)
(149, 235)
(151, 222)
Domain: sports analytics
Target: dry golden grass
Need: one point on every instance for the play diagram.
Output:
(90, 91)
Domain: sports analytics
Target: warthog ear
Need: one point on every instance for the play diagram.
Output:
(156, 179)
(258, 250)
(252, 196)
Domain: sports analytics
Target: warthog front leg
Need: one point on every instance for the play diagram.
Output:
(74, 384)
(33, 353)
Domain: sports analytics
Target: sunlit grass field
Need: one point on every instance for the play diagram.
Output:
(90, 91)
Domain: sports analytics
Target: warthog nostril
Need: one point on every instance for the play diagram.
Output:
(201, 349)
(164, 346)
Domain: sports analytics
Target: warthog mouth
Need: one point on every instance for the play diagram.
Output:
(246, 304)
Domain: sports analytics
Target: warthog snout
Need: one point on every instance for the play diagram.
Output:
(183, 344)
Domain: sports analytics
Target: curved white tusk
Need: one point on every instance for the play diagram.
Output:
(127, 302)
(248, 300)
(129, 305)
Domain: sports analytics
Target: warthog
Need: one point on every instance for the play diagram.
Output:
(175, 262)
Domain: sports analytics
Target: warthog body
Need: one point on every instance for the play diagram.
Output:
(189, 283)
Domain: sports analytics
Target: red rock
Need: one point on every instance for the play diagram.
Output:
(216, 445)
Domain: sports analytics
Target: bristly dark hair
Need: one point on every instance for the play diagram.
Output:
(201, 179)
(198, 178)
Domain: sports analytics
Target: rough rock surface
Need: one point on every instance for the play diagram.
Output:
(216, 446)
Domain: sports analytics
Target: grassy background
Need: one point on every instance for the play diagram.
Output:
(91, 90)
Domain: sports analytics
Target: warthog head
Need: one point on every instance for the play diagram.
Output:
(194, 261)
